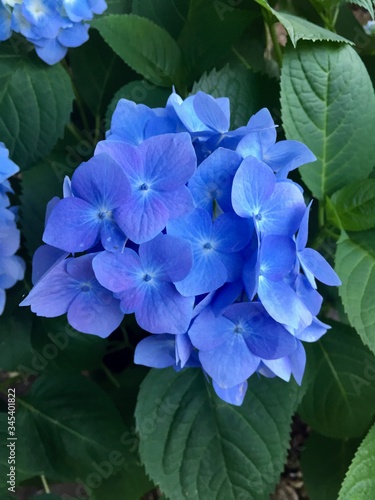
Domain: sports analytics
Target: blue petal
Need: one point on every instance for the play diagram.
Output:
(45, 257)
(74, 36)
(298, 362)
(250, 145)
(280, 367)
(283, 304)
(309, 296)
(169, 258)
(73, 226)
(53, 294)
(208, 332)
(313, 332)
(231, 233)
(263, 122)
(156, 351)
(129, 122)
(210, 112)
(184, 348)
(285, 156)
(277, 257)
(283, 211)
(314, 263)
(101, 182)
(253, 185)
(164, 310)
(118, 272)
(112, 238)
(301, 240)
(51, 52)
(212, 181)
(264, 337)
(231, 363)
(234, 396)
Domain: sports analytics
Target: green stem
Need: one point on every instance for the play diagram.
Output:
(45, 484)
(110, 377)
(321, 215)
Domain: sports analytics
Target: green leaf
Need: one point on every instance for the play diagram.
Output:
(301, 29)
(98, 72)
(340, 400)
(359, 483)
(355, 264)
(328, 103)
(354, 205)
(118, 7)
(143, 45)
(35, 104)
(47, 496)
(169, 14)
(366, 4)
(141, 92)
(15, 342)
(207, 36)
(196, 446)
(325, 459)
(241, 86)
(71, 414)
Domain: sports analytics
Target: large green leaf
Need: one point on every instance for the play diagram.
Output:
(35, 104)
(240, 85)
(169, 14)
(324, 462)
(366, 4)
(328, 103)
(98, 73)
(118, 7)
(301, 29)
(340, 400)
(354, 206)
(355, 264)
(196, 446)
(359, 483)
(74, 432)
(146, 47)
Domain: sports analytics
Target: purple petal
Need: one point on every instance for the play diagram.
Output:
(231, 363)
(118, 272)
(168, 257)
(127, 156)
(283, 304)
(112, 238)
(73, 226)
(178, 202)
(142, 217)
(101, 182)
(53, 294)
(164, 310)
(96, 312)
(312, 261)
(169, 161)
(156, 351)
(234, 396)
(253, 185)
(45, 257)
(208, 332)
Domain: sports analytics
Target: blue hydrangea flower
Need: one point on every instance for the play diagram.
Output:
(215, 249)
(275, 207)
(157, 170)
(145, 282)
(71, 287)
(232, 345)
(100, 189)
(52, 26)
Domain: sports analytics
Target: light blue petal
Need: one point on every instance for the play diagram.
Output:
(234, 396)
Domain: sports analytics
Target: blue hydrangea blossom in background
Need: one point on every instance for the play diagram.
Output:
(195, 229)
(52, 26)
(12, 267)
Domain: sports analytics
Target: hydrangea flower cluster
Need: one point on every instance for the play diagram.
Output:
(12, 267)
(51, 25)
(195, 229)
